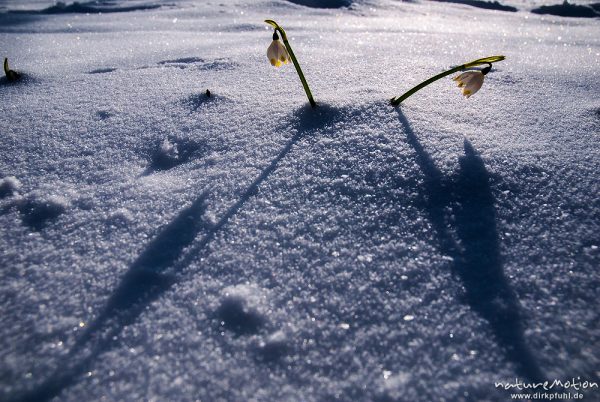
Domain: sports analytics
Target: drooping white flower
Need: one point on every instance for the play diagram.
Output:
(277, 53)
(470, 82)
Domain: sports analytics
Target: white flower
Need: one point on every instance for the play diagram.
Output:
(277, 53)
(470, 82)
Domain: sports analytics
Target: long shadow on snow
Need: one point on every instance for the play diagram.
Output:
(308, 120)
(155, 271)
(147, 278)
(476, 251)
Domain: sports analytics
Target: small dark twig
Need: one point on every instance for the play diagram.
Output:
(11, 75)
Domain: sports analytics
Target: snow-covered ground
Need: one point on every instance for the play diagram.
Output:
(160, 245)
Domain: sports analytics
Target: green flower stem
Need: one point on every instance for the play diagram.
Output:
(294, 60)
(486, 60)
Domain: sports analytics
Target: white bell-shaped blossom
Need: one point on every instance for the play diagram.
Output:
(470, 82)
(277, 53)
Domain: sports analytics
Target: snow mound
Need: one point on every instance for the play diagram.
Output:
(488, 5)
(88, 7)
(274, 347)
(120, 217)
(198, 63)
(102, 70)
(195, 101)
(323, 3)
(9, 186)
(392, 387)
(38, 212)
(567, 9)
(174, 152)
(166, 156)
(183, 60)
(242, 309)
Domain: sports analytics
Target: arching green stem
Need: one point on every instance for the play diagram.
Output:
(294, 60)
(486, 60)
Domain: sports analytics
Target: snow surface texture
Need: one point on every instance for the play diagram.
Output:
(159, 244)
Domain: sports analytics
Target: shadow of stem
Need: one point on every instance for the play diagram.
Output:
(471, 239)
(146, 279)
(156, 270)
